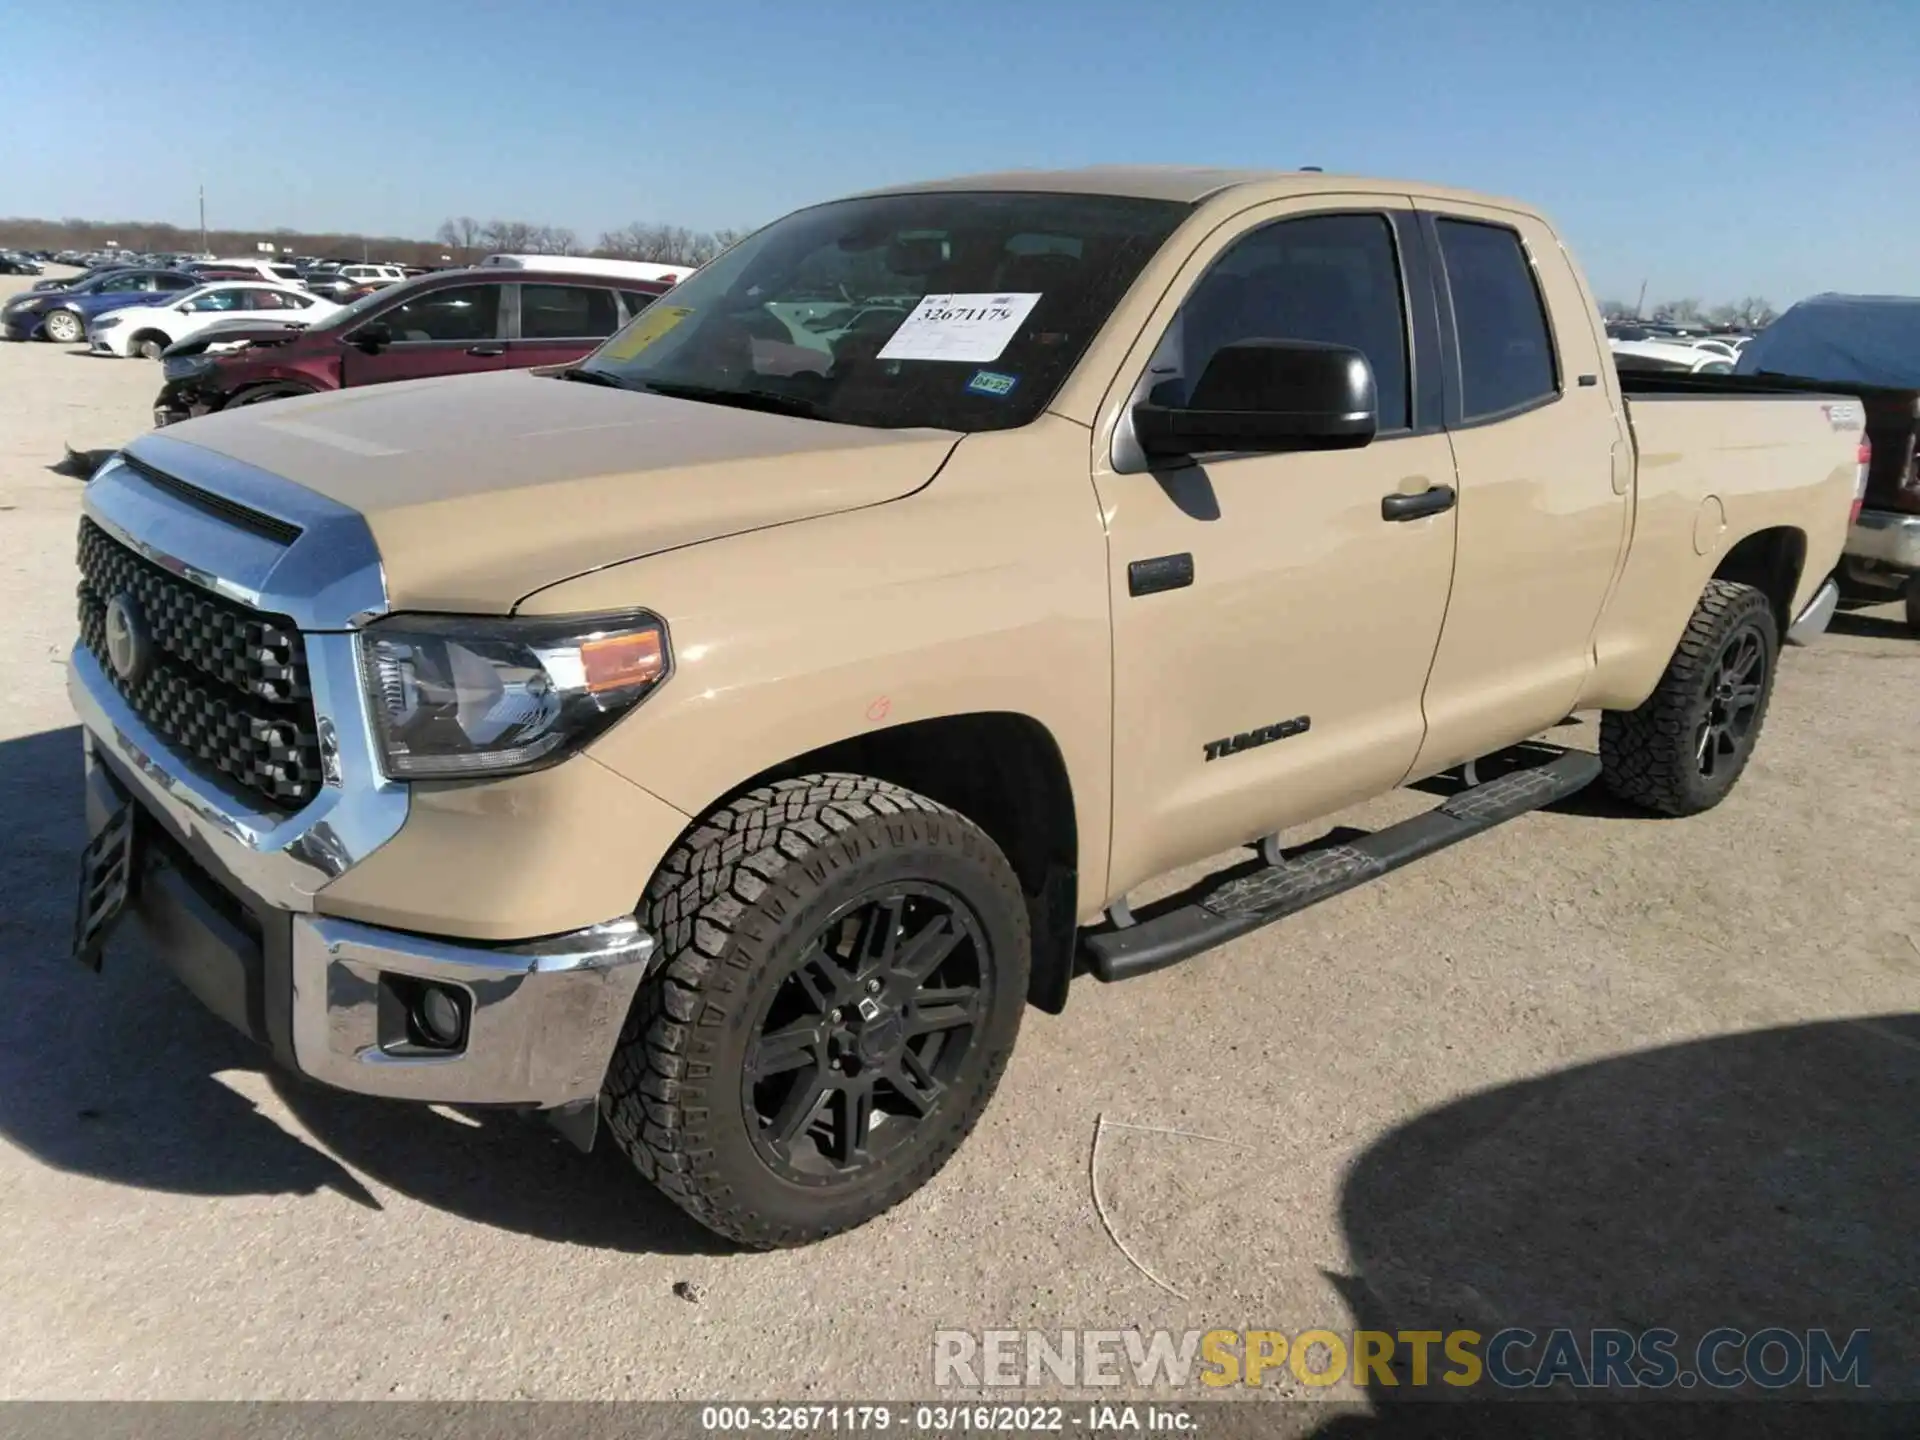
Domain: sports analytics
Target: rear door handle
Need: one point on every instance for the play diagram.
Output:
(1435, 500)
(486, 350)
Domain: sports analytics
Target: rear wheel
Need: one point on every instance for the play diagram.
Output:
(1686, 746)
(63, 327)
(845, 971)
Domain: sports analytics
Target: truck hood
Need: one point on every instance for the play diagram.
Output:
(481, 489)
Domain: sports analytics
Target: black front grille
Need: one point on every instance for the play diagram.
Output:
(226, 686)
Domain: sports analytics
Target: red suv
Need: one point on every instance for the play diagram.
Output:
(446, 323)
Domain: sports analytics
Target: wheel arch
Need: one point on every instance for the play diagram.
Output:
(1003, 771)
(1770, 560)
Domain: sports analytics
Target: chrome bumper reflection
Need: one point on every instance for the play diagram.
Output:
(545, 1015)
(1887, 536)
(1812, 622)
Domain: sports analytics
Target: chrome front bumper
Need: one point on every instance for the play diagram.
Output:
(1887, 537)
(543, 1015)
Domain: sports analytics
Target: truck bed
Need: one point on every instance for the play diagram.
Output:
(1779, 465)
(1893, 417)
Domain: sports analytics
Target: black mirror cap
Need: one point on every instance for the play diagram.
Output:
(1268, 395)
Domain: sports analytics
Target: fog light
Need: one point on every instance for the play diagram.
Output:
(438, 1014)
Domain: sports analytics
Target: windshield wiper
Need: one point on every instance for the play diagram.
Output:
(767, 400)
(594, 377)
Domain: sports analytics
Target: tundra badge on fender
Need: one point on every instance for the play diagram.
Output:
(1265, 735)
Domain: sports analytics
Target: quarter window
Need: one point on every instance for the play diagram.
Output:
(462, 312)
(1506, 350)
(567, 312)
(1330, 278)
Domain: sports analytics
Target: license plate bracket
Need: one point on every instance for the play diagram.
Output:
(108, 875)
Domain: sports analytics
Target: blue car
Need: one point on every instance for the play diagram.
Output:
(62, 315)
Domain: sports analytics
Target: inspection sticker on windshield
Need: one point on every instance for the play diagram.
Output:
(992, 382)
(653, 322)
(960, 327)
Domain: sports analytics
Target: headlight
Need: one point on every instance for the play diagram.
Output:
(455, 696)
(187, 367)
(107, 322)
(25, 304)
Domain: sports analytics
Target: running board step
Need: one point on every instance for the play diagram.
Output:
(1245, 901)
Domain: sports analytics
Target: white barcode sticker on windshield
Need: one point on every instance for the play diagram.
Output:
(960, 327)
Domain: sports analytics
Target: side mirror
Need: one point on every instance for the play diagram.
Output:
(373, 338)
(1267, 396)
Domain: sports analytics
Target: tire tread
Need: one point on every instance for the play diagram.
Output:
(1646, 754)
(742, 866)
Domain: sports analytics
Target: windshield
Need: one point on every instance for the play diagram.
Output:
(353, 314)
(948, 309)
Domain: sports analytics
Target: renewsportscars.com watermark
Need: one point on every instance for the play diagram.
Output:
(1515, 1358)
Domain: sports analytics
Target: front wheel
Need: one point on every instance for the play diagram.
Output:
(64, 328)
(1685, 747)
(844, 975)
(150, 347)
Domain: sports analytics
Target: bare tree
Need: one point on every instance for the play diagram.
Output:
(1754, 312)
(1611, 310)
(1678, 312)
(665, 244)
(460, 234)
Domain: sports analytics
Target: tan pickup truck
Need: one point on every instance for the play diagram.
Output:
(726, 737)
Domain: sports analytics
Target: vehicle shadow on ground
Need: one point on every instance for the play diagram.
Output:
(114, 1076)
(1751, 1180)
(1870, 627)
(80, 464)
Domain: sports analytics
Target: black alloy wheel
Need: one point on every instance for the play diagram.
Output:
(860, 1042)
(1735, 687)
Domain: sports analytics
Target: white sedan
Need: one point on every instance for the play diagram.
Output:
(149, 329)
(1668, 355)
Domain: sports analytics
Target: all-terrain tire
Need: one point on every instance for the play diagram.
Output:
(1652, 757)
(734, 907)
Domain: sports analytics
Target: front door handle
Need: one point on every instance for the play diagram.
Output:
(1434, 500)
(486, 350)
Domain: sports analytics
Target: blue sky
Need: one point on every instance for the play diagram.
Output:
(1714, 149)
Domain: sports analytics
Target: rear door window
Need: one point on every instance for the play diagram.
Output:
(1506, 349)
(459, 313)
(567, 312)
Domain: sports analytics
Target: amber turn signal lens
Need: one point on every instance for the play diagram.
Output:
(622, 661)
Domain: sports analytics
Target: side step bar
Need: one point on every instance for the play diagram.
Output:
(1235, 906)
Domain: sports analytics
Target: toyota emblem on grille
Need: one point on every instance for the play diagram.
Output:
(129, 650)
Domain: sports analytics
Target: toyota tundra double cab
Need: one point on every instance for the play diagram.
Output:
(718, 742)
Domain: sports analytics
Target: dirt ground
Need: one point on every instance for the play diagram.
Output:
(1588, 1070)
